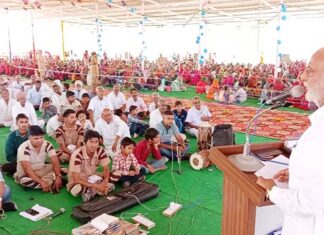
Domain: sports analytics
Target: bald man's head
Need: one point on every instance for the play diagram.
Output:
(106, 114)
(313, 78)
(21, 98)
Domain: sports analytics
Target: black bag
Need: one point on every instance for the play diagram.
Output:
(223, 135)
(116, 202)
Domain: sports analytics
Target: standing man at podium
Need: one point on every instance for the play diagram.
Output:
(303, 201)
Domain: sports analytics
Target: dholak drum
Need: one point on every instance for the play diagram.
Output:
(205, 132)
(199, 160)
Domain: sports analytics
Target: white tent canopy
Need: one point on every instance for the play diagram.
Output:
(236, 31)
(165, 12)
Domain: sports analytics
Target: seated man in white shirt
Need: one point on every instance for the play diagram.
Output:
(117, 98)
(23, 106)
(110, 128)
(137, 101)
(58, 98)
(196, 115)
(155, 102)
(123, 122)
(96, 104)
(240, 94)
(54, 123)
(6, 104)
(156, 115)
(16, 86)
(36, 93)
(79, 91)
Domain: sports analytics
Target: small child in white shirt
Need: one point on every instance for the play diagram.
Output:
(83, 121)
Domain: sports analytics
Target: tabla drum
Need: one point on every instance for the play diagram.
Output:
(205, 132)
(199, 160)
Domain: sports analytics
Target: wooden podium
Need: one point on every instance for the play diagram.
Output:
(241, 194)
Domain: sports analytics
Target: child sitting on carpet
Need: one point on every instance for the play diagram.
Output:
(150, 146)
(125, 167)
(137, 127)
(48, 110)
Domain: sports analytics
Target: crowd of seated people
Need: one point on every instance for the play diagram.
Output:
(124, 71)
(90, 131)
(161, 73)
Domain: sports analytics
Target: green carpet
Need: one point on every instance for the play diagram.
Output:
(200, 193)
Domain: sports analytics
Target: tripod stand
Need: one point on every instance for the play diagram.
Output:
(179, 156)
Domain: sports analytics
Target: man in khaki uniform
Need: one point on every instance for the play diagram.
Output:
(83, 178)
(32, 171)
(69, 136)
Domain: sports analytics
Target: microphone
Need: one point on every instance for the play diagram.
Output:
(245, 161)
(296, 92)
(60, 212)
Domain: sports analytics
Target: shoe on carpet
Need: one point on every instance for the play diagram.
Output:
(111, 187)
(126, 184)
(76, 190)
(142, 178)
(9, 206)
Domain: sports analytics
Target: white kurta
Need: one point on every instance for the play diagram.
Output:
(303, 201)
(152, 106)
(29, 111)
(155, 118)
(79, 93)
(58, 100)
(96, 105)
(139, 103)
(116, 101)
(194, 115)
(52, 124)
(108, 131)
(16, 87)
(6, 112)
(240, 95)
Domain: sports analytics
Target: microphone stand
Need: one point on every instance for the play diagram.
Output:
(245, 161)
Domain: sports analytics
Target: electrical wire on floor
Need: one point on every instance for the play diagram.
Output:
(47, 232)
(147, 208)
(5, 229)
(2, 217)
(193, 217)
(174, 182)
(43, 229)
(172, 169)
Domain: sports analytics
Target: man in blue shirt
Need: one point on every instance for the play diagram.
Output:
(35, 94)
(14, 140)
(167, 129)
(180, 116)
